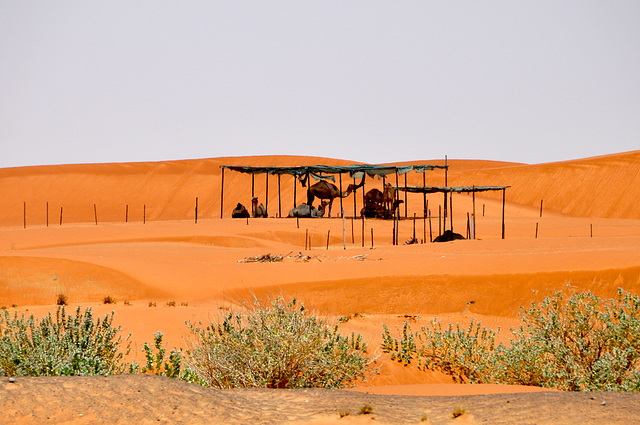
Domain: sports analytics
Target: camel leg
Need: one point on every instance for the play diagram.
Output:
(330, 203)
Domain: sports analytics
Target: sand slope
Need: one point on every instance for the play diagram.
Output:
(587, 239)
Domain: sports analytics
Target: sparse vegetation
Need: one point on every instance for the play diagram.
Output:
(171, 303)
(109, 300)
(276, 346)
(152, 304)
(61, 299)
(458, 411)
(366, 409)
(583, 343)
(60, 345)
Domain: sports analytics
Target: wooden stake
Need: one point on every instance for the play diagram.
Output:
(344, 234)
(144, 214)
(47, 214)
(306, 238)
(591, 225)
(24, 215)
(196, 211)
(95, 213)
(504, 195)
(430, 233)
(60, 216)
(279, 199)
(536, 230)
(363, 231)
(414, 225)
(541, 207)
(328, 233)
(372, 237)
(126, 213)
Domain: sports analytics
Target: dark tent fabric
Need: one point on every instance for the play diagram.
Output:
(458, 189)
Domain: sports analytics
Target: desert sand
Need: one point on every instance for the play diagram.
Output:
(128, 231)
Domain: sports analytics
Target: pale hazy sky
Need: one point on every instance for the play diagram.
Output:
(372, 81)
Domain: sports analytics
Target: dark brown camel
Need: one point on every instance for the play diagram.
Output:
(326, 190)
(240, 211)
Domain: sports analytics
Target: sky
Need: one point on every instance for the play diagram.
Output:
(364, 80)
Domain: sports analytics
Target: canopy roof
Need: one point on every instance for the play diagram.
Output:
(458, 189)
(355, 171)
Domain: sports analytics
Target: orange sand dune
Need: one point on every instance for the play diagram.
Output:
(587, 239)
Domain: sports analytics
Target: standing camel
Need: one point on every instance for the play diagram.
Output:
(326, 190)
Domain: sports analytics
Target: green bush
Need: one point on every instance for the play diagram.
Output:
(584, 343)
(278, 346)
(461, 353)
(157, 362)
(60, 345)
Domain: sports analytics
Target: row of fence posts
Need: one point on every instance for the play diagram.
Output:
(95, 214)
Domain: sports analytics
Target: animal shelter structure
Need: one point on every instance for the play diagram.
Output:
(460, 189)
(323, 173)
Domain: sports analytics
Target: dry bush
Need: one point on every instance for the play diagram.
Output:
(275, 346)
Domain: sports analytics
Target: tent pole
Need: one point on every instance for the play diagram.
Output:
(451, 209)
(222, 192)
(279, 199)
(473, 194)
(405, 197)
(294, 191)
(424, 194)
(253, 185)
(266, 196)
(503, 202)
(341, 208)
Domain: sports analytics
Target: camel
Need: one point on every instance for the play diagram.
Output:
(388, 195)
(376, 209)
(326, 190)
(240, 212)
(306, 210)
(257, 210)
(448, 236)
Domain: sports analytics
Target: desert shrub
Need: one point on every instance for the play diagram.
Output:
(61, 299)
(108, 300)
(462, 353)
(60, 345)
(583, 343)
(275, 346)
(157, 362)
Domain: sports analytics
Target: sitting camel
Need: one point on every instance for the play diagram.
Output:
(240, 212)
(257, 210)
(377, 210)
(326, 190)
(448, 236)
(306, 210)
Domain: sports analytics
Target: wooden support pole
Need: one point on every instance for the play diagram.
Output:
(306, 239)
(405, 198)
(451, 209)
(446, 184)
(355, 214)
(536, 230)
(295, 187)
(474, 212)
(340, 183)
(591, 226)
(47, 214)
(430, 232)
(144, 214)
(504, 191)
(24, 214)
(425, 205)
(328, 233)
(253, 185)
(60, 216)
(222, 193)
(279, 199)
(439, 220)
(196, 210)
(126, 213)
(468, 227)
(95, 213)
(266, 196)
(363, 231)
(344, 234)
